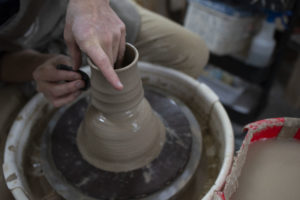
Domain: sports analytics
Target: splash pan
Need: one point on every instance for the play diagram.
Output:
(23, 147)
(74, 178)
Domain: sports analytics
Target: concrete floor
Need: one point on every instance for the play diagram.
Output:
(278, 104)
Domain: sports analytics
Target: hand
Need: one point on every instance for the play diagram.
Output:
(93, 27)
(50, 81)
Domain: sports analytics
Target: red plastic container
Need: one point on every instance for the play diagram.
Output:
(280, 128)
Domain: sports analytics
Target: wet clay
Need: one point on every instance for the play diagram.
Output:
(120, 132)
(271, 171)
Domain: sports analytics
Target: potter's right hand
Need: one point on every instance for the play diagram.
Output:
(94, 28)
(51, 81)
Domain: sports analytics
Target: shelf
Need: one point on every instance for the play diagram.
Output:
(238, 68)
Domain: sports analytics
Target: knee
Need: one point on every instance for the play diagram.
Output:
(198, 56)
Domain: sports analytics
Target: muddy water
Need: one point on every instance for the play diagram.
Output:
(205, 176)
(207, 172)
(271, 171)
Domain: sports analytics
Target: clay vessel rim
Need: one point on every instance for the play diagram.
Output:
(132, 63)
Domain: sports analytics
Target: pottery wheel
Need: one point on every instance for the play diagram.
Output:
(74, 178)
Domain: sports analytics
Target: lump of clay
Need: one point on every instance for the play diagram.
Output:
(120, 132)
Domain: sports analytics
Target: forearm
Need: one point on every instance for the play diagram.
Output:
(89, 1)
(19, 66)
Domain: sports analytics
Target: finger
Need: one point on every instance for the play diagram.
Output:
(110, 54)
(55, 90)
(66, 99)
(48, 71)
(62, 59)
(121, 52)
(101, 60)
(108, 45)
(51, 74)
(73, 48)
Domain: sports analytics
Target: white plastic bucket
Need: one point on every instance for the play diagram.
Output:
(225, 29)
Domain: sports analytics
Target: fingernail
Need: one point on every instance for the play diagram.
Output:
(120, 85)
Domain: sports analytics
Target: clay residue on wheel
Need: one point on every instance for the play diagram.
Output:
(39, 187)
(36, 181)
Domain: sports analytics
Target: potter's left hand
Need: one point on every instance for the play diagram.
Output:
(93, 27)
(51, 81)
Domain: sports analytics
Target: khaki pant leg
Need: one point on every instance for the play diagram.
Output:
(11, 101)
(166, 43)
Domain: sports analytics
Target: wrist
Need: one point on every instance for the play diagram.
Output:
(24, 61)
